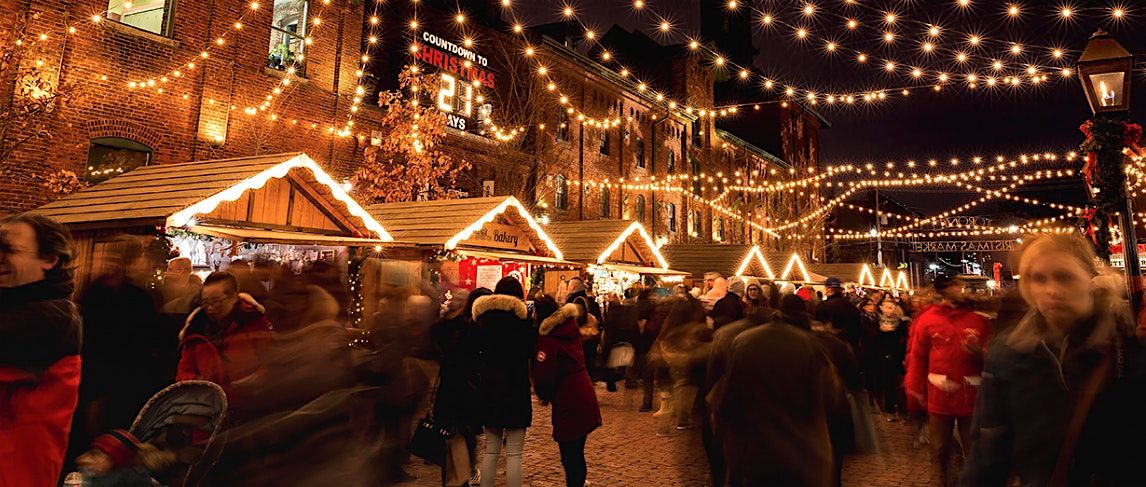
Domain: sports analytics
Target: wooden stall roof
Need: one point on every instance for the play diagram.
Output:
(172, 194)
(445, 223)
(845, 271)
(587, 241)
(696, 259)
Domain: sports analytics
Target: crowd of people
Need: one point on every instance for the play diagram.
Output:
(1041, 387)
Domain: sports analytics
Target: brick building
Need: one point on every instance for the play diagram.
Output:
(564, 168)
(195, 96)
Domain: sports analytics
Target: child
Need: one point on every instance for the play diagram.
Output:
(117, 459)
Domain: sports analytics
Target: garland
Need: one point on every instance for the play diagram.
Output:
(1106, 137)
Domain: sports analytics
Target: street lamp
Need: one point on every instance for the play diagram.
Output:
(1106, 70)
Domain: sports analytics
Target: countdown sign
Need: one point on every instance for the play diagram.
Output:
(462, 76)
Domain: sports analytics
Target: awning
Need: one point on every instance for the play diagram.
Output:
(536, 259)
(636, 269)
(281, 237)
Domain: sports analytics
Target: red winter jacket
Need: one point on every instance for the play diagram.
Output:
(228, 355)
(559, 376)
(40, 333)
(945, 359)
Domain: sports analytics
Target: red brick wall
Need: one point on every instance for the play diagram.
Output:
(211, 96)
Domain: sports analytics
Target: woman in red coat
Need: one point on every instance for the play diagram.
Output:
(944, 369)
(560, 378)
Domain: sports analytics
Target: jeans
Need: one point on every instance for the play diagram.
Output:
(573, 459)
(514, 444)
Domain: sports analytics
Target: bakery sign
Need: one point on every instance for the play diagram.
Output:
(462, 75)
(500, 236)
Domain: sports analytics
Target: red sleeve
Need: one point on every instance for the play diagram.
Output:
(544, 367)
(915, 381)
(188, 366)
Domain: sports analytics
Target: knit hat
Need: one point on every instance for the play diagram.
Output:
(119, 445)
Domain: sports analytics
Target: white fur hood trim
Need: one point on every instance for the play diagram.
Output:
(500, 302)
(568, 311)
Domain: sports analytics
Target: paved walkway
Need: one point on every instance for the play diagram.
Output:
(627, 452)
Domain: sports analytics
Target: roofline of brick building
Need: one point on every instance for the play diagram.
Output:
(748, 146)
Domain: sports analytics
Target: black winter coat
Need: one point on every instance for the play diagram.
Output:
(1027, 400)
(458, 376)
(505, 341)
(841, 315)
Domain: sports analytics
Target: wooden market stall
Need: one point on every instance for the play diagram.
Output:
(282, 207)
(470, 242)
(744, 260)
(617, 253)
(866, 275)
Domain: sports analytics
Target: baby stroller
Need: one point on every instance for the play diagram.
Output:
(185, 419)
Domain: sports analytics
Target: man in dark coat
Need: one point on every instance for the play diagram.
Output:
(837, 311)
(40, 335)
(713, 388)
(773, 426)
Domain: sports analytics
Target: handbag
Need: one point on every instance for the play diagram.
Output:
(621, 355)
(429, 440)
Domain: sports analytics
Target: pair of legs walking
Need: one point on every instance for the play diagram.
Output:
(943, 444)
(514, 444)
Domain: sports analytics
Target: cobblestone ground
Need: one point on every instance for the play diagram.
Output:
(627, 452)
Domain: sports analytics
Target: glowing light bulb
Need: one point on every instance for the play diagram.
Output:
(852, 24)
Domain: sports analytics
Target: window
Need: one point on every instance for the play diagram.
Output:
(150, 15)
(696, 133)
(562, 125)
(639, 151)
(717, 229)
(683, 144)
(695, 173)
(604, 149)
(672, 216)
(605, 193)
(562, 192)
(640, 208)
(671, 163)
(111, 156)
(626, 210)
(694, 223)
(288, 34)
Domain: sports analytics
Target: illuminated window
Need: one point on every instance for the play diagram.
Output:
(640, 208)
(604, 149)
(672, 216)
(562, 192)
(150, 15)
(717, 229)
(671, 163)
(288, 34)
(111, 156)
(605, 203)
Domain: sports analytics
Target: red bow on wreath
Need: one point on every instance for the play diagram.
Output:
(1131, 135)
(1088, 216)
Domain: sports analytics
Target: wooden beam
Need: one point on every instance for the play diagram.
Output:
(323, 205)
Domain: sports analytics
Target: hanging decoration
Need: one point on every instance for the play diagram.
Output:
(1106, 139)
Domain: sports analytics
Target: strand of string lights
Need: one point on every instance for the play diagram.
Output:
(930, 47)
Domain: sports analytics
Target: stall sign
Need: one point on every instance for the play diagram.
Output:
(500, 236)
(487, 276)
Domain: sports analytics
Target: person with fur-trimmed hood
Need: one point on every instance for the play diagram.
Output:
(505, 340)
(560, 378)
(224, 338)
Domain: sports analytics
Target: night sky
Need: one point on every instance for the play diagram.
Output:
(956, 122)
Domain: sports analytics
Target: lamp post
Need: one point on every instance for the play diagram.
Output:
(1105, 69)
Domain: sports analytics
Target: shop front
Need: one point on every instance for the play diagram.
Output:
(616, 253)
(281, 209)
(470, 243)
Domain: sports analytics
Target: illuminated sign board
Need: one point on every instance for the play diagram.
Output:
(462, 75)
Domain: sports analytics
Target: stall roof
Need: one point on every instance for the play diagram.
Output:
(696, 259)
(281, 237)
(175, 194)
(594, 241)
(446, 223)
